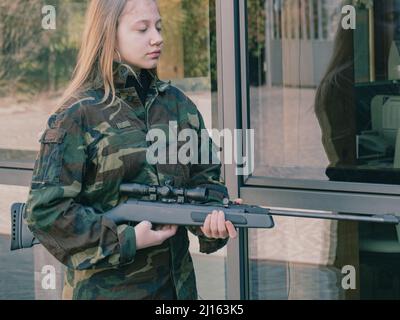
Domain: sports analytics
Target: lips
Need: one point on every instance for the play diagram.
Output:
(154, 54)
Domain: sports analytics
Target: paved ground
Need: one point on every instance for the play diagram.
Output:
(16, 272)
(268, 280)
(17, 275)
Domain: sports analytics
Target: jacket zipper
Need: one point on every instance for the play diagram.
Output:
(172, 268)
(146, 115)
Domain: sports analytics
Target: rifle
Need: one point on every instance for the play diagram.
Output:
(163, 205)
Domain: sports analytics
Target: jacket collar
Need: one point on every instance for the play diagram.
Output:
(122, 72)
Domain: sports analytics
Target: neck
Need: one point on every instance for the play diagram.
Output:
(122, 71)
(136, 69)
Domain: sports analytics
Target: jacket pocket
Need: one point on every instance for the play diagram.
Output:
(49, 161)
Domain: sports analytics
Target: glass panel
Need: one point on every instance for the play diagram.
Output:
(190, 62)
(303, 259)
(36, 65)
(324, 104)
(324, 97)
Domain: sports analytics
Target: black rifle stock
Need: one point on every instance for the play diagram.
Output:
(166, 205)
(21, 236)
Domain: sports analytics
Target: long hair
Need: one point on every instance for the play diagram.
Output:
(335, 101)
(94, 68)
(340, 71)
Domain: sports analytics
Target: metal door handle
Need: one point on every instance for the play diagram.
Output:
(384, 218)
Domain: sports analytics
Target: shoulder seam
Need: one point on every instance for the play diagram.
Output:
(80, 102)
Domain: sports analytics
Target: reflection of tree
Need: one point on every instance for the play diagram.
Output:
(196, 37)
(33, 59)
(198, 27)
(256, 40)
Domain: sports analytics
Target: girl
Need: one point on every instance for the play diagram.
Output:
(95, 141)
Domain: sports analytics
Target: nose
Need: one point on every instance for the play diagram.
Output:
(156, 38)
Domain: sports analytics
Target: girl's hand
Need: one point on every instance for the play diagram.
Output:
(146, 237)
(238, 201)
(216, 227)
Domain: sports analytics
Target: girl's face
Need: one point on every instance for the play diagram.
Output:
(139, 39)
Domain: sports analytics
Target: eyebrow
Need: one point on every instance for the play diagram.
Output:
(145, 21)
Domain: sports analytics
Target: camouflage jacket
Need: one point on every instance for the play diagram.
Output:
(87, 150)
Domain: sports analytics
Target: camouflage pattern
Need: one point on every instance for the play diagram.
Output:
(87, 150)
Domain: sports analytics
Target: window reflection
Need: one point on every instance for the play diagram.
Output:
(360, 122)
(324, 100)
(36, 64)
(325, 105)
(288, 56)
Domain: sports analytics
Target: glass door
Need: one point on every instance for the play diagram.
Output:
(322, 96)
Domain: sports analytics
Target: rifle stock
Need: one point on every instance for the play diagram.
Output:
(21, 236)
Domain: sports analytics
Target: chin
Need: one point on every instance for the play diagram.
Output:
(151, 65)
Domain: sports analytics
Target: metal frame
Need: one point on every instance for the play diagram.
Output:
(15, 176)
(324, 185)
(361, 204)
(228, 99)
(242, 122)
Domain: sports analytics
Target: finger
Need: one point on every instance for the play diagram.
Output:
(238, 201)
(206, 226)
(214, 225)
(146, 225)
(222, 233)
(166, 233)
(171, 227)
(231, 229)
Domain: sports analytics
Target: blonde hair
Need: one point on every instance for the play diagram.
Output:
(340, 70)
(94, 68)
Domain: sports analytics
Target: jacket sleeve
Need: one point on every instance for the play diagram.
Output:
(209, 173)
(76, 235)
